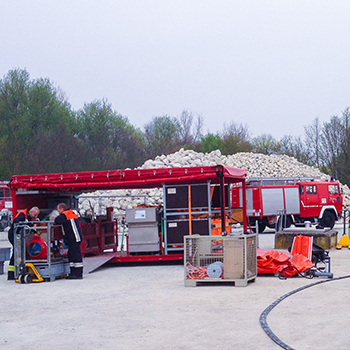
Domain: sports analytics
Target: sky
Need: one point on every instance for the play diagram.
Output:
(272, 65)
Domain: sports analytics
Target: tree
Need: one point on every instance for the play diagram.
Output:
(344, 164)
(294, 147)
(335, 140)
(31, 112)
(236, 138)
(210, 142)
(109, 139)
(313, 133)
(130, 144)
(13, 116)
(162, 136)
(190, 129)
(266, 144)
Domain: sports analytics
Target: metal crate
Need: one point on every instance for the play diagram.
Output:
(230, 258)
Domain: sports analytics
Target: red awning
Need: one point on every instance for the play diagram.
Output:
(126, 179)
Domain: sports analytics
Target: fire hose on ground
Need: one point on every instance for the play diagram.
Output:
(265, 313)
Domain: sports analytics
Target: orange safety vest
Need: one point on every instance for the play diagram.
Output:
(24, 211)
(70, 214)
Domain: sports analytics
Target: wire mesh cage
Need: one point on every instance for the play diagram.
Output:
(230, 258)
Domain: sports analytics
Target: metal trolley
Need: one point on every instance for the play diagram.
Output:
(39, 252)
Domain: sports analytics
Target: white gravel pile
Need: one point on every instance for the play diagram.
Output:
(256, 165)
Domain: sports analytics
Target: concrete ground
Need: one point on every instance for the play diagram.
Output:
(148, 307)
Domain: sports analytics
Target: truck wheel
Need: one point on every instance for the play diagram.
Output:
(286, 222)
(328, 219)
(261, 227)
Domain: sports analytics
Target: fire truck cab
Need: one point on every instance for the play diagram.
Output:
(319, 200)
(287, 201)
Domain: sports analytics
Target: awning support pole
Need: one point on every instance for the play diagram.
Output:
(220, 174)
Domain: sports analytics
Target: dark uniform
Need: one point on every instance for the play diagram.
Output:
(22, 216)
(72, 236)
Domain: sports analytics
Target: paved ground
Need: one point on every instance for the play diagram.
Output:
(148, 307)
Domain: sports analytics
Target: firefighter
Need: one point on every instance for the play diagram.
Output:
(72, 237)
(24, 215)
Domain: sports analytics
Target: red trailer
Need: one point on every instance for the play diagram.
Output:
(192, 196)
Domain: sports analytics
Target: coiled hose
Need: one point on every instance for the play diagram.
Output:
(264, 314)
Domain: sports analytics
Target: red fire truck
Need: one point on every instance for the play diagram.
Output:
(287, 201)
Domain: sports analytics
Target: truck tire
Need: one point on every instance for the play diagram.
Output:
(262, 227)
(328, 219)
(287, 222)
(261, 224)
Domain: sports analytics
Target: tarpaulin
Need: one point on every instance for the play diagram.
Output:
(131, 178)
(272, 262)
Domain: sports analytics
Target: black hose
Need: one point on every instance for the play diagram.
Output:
(264, 314)
(291, 268)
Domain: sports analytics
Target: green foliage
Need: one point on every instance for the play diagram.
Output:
(162, 135)
(31, 112)
(210, 142)
(109, 140)
(40, 133)
(13, 117)
(266, 144)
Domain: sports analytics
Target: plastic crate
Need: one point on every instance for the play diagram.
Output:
(229, 258)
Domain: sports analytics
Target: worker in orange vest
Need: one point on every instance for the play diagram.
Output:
(72, 236)
(24, 215)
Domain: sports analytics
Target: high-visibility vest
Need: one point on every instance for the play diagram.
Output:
(24, 211)
(70, 214)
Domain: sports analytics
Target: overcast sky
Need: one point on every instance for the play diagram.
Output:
(273, 65)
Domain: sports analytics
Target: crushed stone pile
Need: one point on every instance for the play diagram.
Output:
(255, 164)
